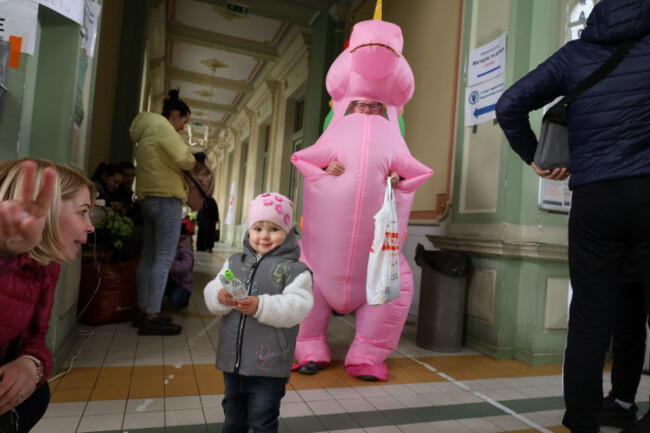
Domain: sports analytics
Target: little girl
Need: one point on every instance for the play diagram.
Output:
(257, 335)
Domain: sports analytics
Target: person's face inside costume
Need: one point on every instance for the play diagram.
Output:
(265, 236)
(74, 224)
(178, 121)
(128, 176)
(113, 181)
(367, 107)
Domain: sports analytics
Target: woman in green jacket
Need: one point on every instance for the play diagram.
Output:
(160, 156)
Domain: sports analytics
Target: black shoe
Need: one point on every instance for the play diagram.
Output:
(310, 368)
(159, 326)
(614, 415)
(142, 316)
(368, 378)
(641, 426)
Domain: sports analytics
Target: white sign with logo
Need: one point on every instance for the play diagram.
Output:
(487, 62)
(480, 101)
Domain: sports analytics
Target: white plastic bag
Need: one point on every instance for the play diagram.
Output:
(382, 282)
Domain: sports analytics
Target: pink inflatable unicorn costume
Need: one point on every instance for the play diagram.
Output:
(338, 211)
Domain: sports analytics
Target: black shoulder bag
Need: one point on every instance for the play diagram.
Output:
(553, 148)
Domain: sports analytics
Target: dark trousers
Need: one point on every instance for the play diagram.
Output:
(608, 221)
(29, 412)
(252, 402)
(628, 342)
(178, 295)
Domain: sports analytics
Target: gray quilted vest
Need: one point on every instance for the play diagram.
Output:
(246, 346)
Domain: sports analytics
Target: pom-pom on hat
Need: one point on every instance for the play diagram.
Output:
(272, 207)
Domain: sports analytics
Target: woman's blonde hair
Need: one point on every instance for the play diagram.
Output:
(69, 183)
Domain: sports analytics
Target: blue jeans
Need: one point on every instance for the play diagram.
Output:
(162, 229)
(252, 402)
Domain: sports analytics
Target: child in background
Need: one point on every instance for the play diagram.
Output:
(257, 335)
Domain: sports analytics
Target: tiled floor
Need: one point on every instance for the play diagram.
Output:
(120, 382)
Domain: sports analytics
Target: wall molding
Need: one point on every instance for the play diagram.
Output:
(506, 240)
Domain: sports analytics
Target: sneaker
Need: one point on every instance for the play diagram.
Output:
(641, 426)
(310, 368)
(614, 415)
(159, 326)
(142, 316)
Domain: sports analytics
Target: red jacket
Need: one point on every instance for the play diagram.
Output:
(26, 298)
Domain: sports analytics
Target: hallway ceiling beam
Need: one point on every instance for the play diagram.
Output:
(181, 33)
(195, 103)
(198, 78)
(281, 10)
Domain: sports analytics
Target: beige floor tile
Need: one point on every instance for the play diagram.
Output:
(144, 420)
(98, 423)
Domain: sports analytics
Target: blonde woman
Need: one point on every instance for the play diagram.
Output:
(44, 220)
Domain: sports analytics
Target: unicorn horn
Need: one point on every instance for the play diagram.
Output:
(377, 15)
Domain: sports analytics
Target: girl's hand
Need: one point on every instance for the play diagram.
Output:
(18, 382)
(22, 220)
(248, 306)
(556, 174)
(226, 298)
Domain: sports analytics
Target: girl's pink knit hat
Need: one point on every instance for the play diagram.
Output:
(272, 207)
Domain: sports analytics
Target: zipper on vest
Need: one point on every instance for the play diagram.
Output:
(242, 319)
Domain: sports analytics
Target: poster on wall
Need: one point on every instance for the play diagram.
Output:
(92, 12)
(554, 195)
(5, 49)
(230, 216)
(19, 18)
(72, 9)
(485, 81)
(481, 100)
(487, 61)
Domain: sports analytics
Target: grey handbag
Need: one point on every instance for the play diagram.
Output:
(553, 148)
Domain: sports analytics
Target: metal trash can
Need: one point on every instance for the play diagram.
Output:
(443, 290)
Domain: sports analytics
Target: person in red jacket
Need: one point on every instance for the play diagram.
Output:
(44, 220)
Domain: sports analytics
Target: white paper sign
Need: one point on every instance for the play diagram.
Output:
(91, 18)
(230, 216)
(19, 18)
(73, 9)
(487, 62)
(480, 101)
(554, 195)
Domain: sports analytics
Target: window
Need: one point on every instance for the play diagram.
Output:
(577, 17)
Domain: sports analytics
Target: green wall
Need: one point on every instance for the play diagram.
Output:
(521, 293)
(531, 38)
(37, 122)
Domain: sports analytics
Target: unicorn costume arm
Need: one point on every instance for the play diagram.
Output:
(311, 161)
(412, 171)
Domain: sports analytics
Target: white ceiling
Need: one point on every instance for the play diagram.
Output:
(215, 56)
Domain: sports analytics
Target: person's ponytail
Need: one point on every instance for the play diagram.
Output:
(173, 103)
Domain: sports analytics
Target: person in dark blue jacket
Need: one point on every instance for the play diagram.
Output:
(609, 138)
